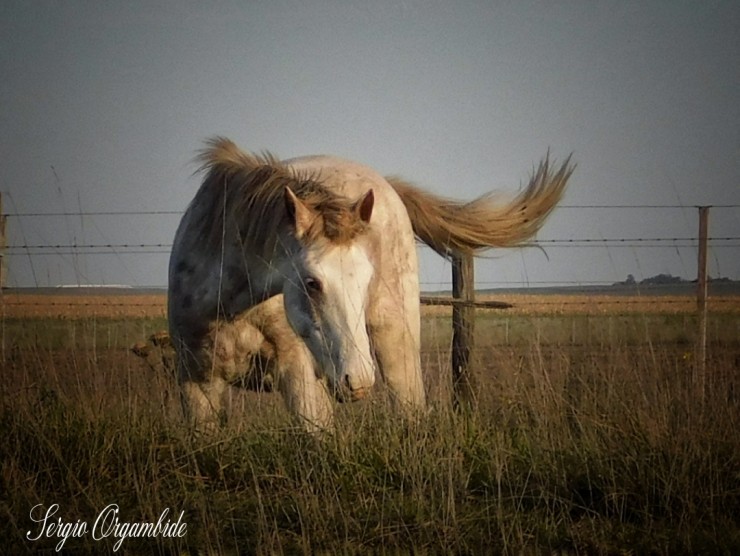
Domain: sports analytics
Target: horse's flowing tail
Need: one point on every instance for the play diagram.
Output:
(450, 226)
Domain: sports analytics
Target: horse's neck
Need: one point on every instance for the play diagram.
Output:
(251, 283)
(248, 279)
(226, 283)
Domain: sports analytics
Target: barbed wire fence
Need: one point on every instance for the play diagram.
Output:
(75, 251)
(463, 284)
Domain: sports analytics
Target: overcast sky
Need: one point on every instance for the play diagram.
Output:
(103, 105)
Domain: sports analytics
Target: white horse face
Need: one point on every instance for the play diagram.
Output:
(325, 305)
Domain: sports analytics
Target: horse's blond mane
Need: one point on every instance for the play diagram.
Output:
(248, 191)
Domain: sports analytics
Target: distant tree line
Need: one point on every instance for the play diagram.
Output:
(663, 279)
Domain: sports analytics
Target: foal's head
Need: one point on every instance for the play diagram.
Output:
(327, 285)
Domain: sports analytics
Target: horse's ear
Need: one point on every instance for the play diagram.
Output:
(299, 214)
(364, 207)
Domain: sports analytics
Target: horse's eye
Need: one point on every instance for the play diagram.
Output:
(313, 286)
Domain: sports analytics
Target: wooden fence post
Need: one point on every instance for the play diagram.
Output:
(3, 244)
(701, 301)
(463, 331)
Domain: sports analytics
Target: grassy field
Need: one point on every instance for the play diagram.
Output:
(154, 305)
(590, 437)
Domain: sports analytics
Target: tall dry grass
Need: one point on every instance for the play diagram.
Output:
(600, 445)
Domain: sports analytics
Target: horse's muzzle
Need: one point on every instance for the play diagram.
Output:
(345, 392)
(344, 395)
(359, 394)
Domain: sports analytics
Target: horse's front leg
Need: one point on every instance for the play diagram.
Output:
(205, 371)
(295, 370)
(305, 394)
(201, 391)
(394, 326)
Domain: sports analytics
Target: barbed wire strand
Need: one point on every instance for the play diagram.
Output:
(614, 300)
(688, 241)
(119, 249)
(180, 212)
